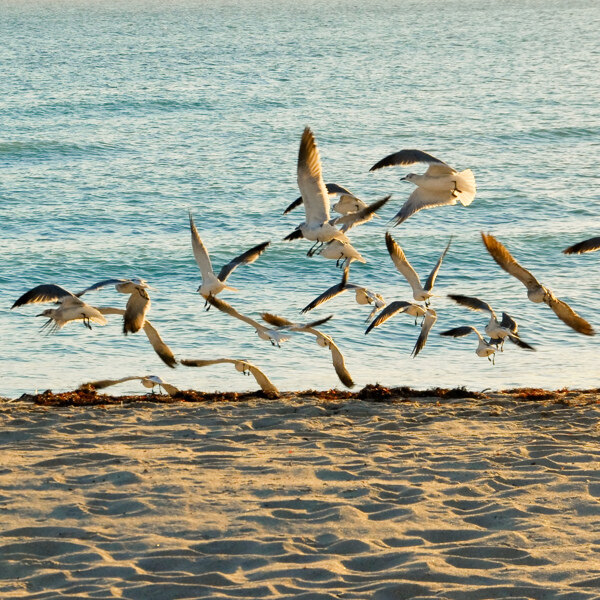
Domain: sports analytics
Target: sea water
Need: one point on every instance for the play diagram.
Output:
(117, 117)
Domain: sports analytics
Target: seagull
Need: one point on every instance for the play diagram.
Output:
(213, 284)
(363, 295)
(484, 349)
(276, 335)
(347, 202)
(323, 340)
(317, 227)
(243, 366)
(71, 308)
(497, 330)
(590, 245)
(536, 292)
(137, 305)
(420, 293)
(163, 351)
(148, 381)
(440, 185)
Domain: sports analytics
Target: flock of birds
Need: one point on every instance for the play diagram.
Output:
(440, 185)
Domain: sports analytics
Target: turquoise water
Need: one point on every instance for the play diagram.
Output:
(116, 117)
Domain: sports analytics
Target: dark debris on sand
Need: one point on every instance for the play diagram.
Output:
(370, 393)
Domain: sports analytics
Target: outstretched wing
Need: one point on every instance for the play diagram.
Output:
(332, 292)
(590, 245)
(504, 258)
(428, 323)
(567, 315)
(459, 331)
(200, 251)
(401, 262)
(389, 311)
(431, 279)
(406, 157)
(472, 303)
(360, 216)
(104, 383)
(420, 199)
(243, 259)
(101, 284)
(47, 292)
(227, 308)
(310, 180)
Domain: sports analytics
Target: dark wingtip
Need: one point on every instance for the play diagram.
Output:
(295, 235)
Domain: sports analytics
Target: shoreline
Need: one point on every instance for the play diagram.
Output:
(369, 393)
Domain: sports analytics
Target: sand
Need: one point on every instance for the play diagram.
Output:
(304, 498)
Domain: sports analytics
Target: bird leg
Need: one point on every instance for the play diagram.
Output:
(86, 321)
(314, 248)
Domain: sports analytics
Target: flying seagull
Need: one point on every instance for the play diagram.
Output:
(440, 185)
(243, 366)
(484, 349)
(317, 227)
(213, 284)
(323, 340)
(497, 330)
(420, 293)
(71, 308)
(275, 335)
(536, 292)
(148, 381)
(428, 323)
(163, 351)
(590, 245)
(137, 305)
(363, 295)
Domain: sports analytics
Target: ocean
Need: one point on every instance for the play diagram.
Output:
(117, 118)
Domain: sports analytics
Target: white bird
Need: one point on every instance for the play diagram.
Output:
(323, 340)
(164, 352)
(276, 336)
(498, 331)
(363, 295)
(484, 349)
(243, 366)
(214, 284)
(148, 381)
(420, 293)
(440, 185)
(426, 325)
(137, 305)
(536, 292)
(71, 308)
(590, 245)
(317, 227)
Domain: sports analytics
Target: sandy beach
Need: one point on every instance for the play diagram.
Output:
(303, 497)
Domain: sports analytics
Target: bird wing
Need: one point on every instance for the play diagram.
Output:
(47, 292)
(227, 308)
(360, 216)
(567, 315)
(170, 389)
(310, 180)
(164, 352)
(504, 258)
(200, 251)
(337, 358)
(459, 331)
(420, 199)
(205, 363)
(104, 383)
(101, 284)
(515, 339)
(334, 189)
(437, 170)
(389, 311)
(135, 311)
(295, 204)
(509, 323)
(472, 303)
(295, 235)
(265, 383)
(431, 279)
(590, 245)
(428, 322)
(401, 262)
(407, 157)
(278, 321)
(243, 259)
